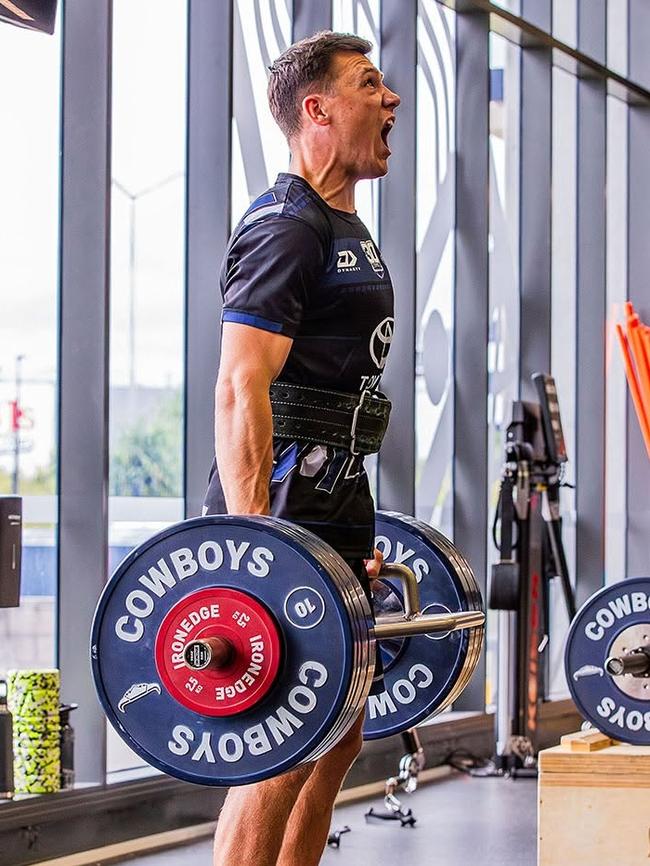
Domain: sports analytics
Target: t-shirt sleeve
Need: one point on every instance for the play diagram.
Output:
(269, 270)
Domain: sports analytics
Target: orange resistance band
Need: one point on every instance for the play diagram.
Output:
(635, 341)
(634, 387)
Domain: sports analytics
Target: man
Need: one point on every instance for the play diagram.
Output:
(308, 302)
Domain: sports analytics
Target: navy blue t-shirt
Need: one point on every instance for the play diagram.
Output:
(298, 267)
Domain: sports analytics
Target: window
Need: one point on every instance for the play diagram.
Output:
(617, 35)
(616, 388)
(435, 264)
(261, 32)
(513, 6)
(504, 304)
(29, 236)
(362, 17)
(563, 338)
(565, 21)
(147, 280)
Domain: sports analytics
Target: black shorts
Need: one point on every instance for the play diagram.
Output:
(216, 505)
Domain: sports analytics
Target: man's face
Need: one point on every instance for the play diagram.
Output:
(362, 111)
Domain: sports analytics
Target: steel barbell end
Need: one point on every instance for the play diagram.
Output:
(392, 626)
(614, 666)
(636, 663)
(208, 653)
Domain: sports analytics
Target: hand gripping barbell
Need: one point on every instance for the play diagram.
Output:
(226, 650)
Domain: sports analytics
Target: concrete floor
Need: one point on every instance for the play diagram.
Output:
(460, 820)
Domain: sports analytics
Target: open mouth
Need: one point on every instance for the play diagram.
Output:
(386, 128)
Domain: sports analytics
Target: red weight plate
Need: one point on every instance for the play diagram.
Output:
(251, 668)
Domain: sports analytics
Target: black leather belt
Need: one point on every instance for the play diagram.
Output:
(356, 422)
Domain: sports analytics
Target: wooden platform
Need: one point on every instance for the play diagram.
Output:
(594, 803)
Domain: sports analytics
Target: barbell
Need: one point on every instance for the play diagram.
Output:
(228, 649)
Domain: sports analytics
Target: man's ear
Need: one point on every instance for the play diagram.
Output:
(315, 107)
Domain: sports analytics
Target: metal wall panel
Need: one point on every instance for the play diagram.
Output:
(638, 466)
(436, 223)
(310, 17)
(639, 39)
(471, 307)
(261, 32)
(209, 113)
(591, 316)
(535, 213)
(592, 29)
(397, 239)
(83, 348)
(538, 12)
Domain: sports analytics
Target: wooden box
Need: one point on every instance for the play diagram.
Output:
(594, 804)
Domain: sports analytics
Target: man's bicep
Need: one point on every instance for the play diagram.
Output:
(252, 353)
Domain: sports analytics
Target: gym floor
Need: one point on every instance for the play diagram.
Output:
(460, 820)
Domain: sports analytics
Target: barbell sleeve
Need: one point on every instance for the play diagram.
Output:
(412, 621)
(434, 623)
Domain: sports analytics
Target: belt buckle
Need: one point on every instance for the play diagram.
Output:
(355, 418)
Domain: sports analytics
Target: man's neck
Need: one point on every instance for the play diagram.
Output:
(331, 184)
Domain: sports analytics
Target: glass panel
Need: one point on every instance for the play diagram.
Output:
(565, 21)
(436, 98)
(513, 6)
(617, 35)
(503, 247)
(616, 389)
(262, 31)
(29, 237)
(362, 18)
(147, 280)
(563, 338)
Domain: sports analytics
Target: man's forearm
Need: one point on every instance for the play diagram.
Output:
(244, 446)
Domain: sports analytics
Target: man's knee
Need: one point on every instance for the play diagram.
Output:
(281, 790)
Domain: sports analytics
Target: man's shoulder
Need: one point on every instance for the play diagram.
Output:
(290, 200)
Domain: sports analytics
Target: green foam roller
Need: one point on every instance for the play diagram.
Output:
(37, 738)
(37, 770)
(36, 784)
(33, 692)
(26, 724)
(37, 760)
(34, 678)
(40, 720)
(28, 748)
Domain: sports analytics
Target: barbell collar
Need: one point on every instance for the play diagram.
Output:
(434, 623)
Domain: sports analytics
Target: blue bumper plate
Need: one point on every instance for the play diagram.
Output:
(311, 692)
(425, 673)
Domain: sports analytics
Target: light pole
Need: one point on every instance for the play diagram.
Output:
(133, 198)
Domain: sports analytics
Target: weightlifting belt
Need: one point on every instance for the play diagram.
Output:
(356, 422)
